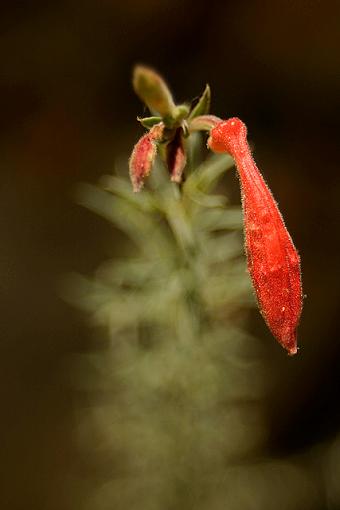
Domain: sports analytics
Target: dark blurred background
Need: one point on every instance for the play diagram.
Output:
(67, 113)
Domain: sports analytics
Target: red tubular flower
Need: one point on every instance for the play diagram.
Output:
(273, 261)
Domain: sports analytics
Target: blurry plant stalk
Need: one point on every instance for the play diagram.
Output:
(168, 128)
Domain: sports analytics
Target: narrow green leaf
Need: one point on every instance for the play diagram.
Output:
(121, 187)
(134, 272)
(220, 219)
(222, 248)
(207, 174)
(203, 105)
(143, 228)
(206, 200)
(149, 122)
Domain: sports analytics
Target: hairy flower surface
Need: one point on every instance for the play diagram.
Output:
(143, 156)
(273, 261)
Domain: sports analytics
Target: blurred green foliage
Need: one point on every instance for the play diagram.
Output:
(182, 422)
(185, 374)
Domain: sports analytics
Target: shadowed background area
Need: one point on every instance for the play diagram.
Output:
(67, 115)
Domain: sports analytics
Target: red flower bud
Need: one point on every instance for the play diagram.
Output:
(176, 157)
(143, 156)
(273, 261)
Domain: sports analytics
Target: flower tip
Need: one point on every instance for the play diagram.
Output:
(290, 343)
(292, 351)
(176, 178)
(137, 186)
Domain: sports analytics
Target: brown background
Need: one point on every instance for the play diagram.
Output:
(67, 112)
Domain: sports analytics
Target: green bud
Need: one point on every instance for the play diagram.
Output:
(153, 91)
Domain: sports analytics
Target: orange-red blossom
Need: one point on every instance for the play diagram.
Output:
(273, 261)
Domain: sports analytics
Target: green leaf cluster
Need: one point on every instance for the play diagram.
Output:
(181, 376)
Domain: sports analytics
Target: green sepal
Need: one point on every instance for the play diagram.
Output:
(203, 105)
(149, 122)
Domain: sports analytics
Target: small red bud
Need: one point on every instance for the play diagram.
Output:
(143, 156)
(273, 261)
(176, 157)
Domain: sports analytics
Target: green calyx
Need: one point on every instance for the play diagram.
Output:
(170, 126)
(155, 93)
